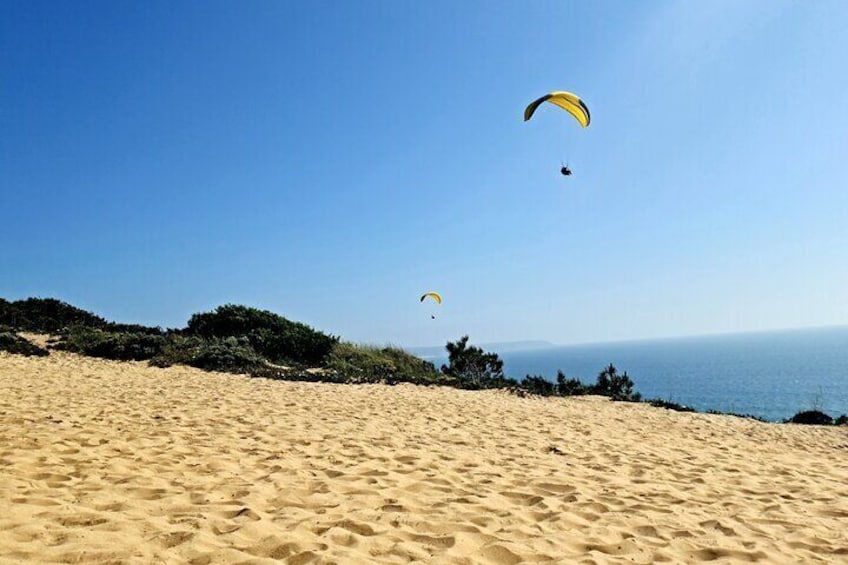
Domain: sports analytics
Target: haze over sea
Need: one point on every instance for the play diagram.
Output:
(772, 375)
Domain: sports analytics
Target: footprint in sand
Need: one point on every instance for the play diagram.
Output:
(225, 528)
(149, 493)
(716, 525)
(557, 488)
(81, 521)
(243, 513)
(524, 498)
(50, 477)
(36, 501)
(174, 539)
(355, 527)
(736, 556)
(500, 555)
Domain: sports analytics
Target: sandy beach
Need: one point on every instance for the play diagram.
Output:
(111, 462)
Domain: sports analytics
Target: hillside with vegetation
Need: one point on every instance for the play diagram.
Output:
(231, 338)
(245, 340)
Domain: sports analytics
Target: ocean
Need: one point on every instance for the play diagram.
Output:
(772, 375)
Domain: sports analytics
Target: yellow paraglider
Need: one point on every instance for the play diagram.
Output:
(437, 298)
(569, 102)
(434, 295)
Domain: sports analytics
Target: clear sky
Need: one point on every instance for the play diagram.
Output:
(331, 161)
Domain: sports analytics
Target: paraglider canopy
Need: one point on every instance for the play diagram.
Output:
(568, 101)
(434, 295)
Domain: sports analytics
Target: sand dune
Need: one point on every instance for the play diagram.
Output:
(119, 462)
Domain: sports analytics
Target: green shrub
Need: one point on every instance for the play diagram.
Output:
(111, 345)
(362, 363)
(669, 405)
(737, 415)
(356, 363)
(812, 417)
(841, 421)
(272, 336)
(228, 355)
(411, 368)
(178, 350)
(13, 343)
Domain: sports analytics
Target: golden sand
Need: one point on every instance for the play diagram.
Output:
(103, 461)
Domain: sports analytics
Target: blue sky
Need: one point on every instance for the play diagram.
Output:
(331, 161)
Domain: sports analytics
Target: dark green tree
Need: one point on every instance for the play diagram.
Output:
(569, 386)
(617, 387)
(472, 367)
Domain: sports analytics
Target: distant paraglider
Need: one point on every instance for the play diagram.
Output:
(434, 295)
(437, 298)
(569, 102)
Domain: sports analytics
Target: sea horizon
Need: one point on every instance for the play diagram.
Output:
(771, 374)
(542, 343)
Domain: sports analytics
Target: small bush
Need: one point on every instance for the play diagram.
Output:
(411, 368)
(272, 336)
(669, 405)
(361, 363)
(110, 345)
(841, 421)
(228, 355)
(812, 417)
(737, 415)
(178, 350)
(14, 343)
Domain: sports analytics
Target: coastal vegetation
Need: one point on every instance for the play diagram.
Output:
(240, 339)
(363, 363)
(271, 336)
(472, 368)
(117, 345)
(817, 418)
(13, 343)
